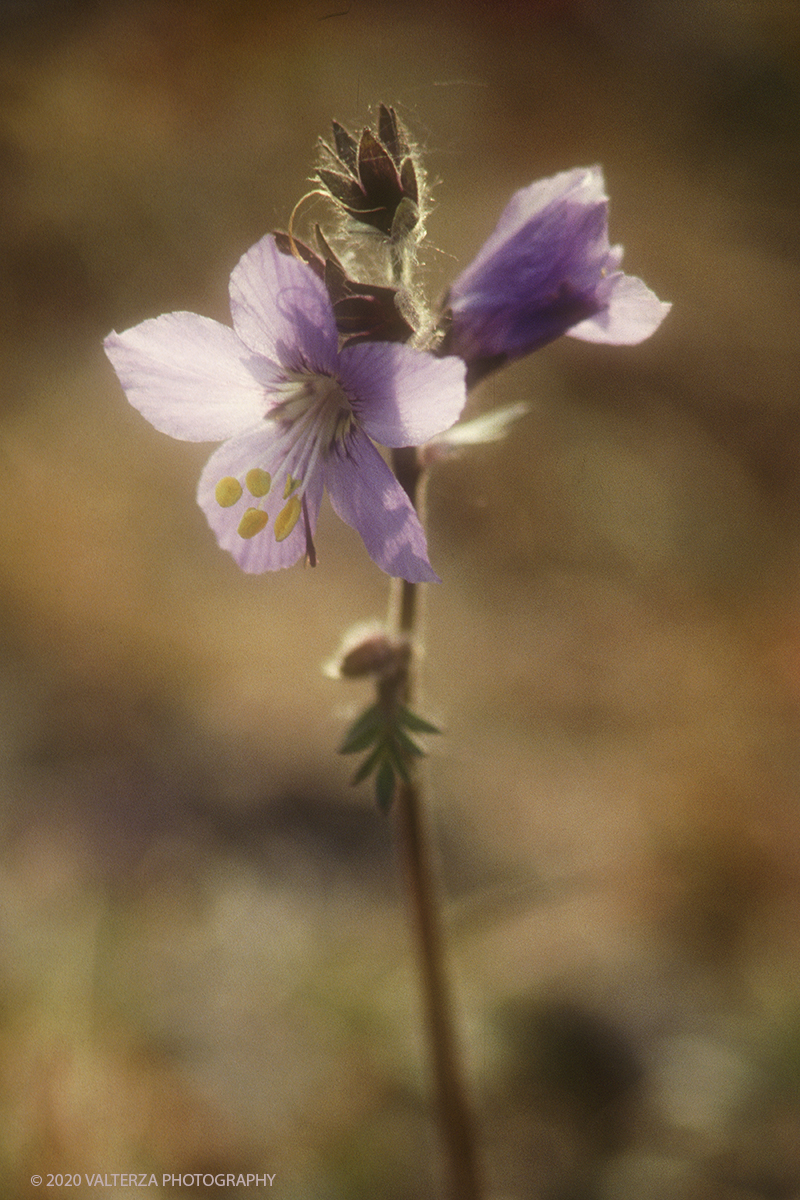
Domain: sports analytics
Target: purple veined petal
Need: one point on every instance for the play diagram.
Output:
(630, 313)
(538, 284)
(281, 309)
(582, 187)
(261, 448)
(565, 247)
(402, 397)
(189, 376)
(366, 495)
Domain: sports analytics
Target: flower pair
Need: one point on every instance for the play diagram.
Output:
(299, 413)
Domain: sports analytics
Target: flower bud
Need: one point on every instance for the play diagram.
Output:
(374, 180)
(368, 650)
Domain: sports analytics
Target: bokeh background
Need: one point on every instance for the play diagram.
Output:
(204, 960)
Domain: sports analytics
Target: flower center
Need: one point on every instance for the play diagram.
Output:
(313, 402)
(312, 414)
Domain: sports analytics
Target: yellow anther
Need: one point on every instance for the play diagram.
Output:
(228, 491)
(252, 522)
(258, 482)
(287, 518)
(291, 485)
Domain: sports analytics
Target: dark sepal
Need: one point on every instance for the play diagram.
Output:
(347, 192)
(293, 248)
(363, 312)
(346, 148)
(377, 173)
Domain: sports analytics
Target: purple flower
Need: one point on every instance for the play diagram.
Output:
(548, 269)
(297, 414)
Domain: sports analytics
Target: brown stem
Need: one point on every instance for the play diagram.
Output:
(410, 476)
(454, 1113)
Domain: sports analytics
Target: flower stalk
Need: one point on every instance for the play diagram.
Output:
(455, 1116)
(315, 372)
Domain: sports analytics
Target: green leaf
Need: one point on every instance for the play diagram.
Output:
(391, 748)
(413, 721)
(368, 765)
(363, 732)
(408, 745)
(398, 759)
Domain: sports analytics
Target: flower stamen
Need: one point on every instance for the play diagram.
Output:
(253, 521)
(287, 518)
(258, 482)
(228, 491)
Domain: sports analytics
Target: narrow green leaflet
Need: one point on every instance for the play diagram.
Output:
(363, 732)
(416, 723)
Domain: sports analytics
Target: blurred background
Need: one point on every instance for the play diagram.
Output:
(204, 960)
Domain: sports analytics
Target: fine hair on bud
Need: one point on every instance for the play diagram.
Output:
(377, 187)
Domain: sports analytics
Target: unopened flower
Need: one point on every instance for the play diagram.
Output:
(547, 269)
(374, 179)
(298, 415)
(368, 649)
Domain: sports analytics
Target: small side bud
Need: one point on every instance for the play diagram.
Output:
(369, 657)
(367, 650)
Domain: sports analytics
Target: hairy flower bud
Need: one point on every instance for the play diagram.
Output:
(375, 179)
